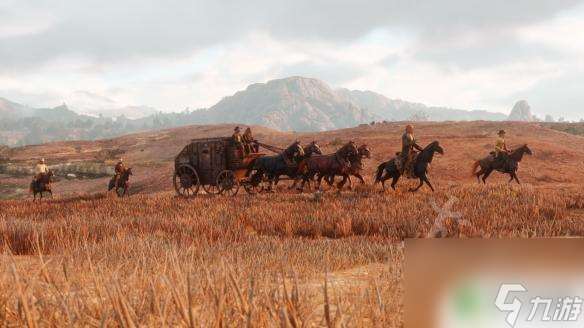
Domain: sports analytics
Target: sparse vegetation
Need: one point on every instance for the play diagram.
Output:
(266, 261)
(283, 259)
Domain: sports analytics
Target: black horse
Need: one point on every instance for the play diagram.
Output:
(508, 164)
(389, 169)
(42, 184)
(274, 166)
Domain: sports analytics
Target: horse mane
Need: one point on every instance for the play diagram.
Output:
(431, 145)
(427, 154)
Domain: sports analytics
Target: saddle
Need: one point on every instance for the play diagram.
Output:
(407, 171)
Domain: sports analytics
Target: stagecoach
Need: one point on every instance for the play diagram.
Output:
(217, 165)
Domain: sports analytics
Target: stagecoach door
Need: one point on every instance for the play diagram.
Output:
(211, 161)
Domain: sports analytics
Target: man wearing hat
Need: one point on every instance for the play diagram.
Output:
(500, 144)
(237, 138)
(501, 150)
(405, 158)
(40, 169)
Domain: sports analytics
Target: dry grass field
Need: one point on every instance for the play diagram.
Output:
(87, 258)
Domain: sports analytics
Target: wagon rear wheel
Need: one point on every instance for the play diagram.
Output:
(227, 183)
(186, 181)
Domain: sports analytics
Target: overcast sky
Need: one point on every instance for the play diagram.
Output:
(173, 54)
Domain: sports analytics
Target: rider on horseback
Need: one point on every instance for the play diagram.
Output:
(405, 158)
(40, 170)
(119, 169)
(501, 152)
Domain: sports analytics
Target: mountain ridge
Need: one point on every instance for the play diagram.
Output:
(288, 104)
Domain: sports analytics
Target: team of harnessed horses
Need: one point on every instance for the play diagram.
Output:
(308, 164)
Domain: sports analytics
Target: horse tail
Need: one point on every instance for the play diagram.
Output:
(475, 166)
(379, 172)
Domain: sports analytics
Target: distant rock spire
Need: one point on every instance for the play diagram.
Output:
(521, 112)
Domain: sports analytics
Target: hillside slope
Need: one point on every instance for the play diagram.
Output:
(558, 157)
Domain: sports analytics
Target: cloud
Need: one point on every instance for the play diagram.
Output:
(178, 53)
(108, 30)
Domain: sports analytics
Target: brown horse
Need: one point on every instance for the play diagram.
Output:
(122, 184)
(508, 164)
(355, 168)
(325, 165)
(42, 184)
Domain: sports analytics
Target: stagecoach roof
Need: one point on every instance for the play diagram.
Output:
(211, 139)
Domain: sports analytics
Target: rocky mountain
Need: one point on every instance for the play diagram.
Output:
(291, 104)
(521, 112)
(399, 110)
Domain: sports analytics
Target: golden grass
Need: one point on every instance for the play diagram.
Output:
(272, 260)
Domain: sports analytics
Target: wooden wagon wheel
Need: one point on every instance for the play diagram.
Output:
(186, 181)
(227, 183)
(252, 189)
(212, 189)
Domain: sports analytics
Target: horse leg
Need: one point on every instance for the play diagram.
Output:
(514, 175)
(360, 177)
(342, 182)
(319, 179)
(425, 178)
(479, 173)
(486, 175)
(293, 184)
(418, 187)
(394, 181)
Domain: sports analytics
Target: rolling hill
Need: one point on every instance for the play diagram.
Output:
(558, 156)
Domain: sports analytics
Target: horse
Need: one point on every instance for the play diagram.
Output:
(508, 165)
(311, 149)
(274, 166)
(355, 168)
(122, 183)
(325, 165)
(42, 184)
(389, 169)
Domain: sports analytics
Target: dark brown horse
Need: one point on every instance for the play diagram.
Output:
(42, 184)
(123, 183)
(389, 169)
(326, 165)
(355, 168)
(508, 164)
(309, 150)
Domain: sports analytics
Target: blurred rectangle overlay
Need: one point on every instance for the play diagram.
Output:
(491, 283)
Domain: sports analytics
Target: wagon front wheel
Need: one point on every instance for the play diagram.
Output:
(227, 183)
(186, 181)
